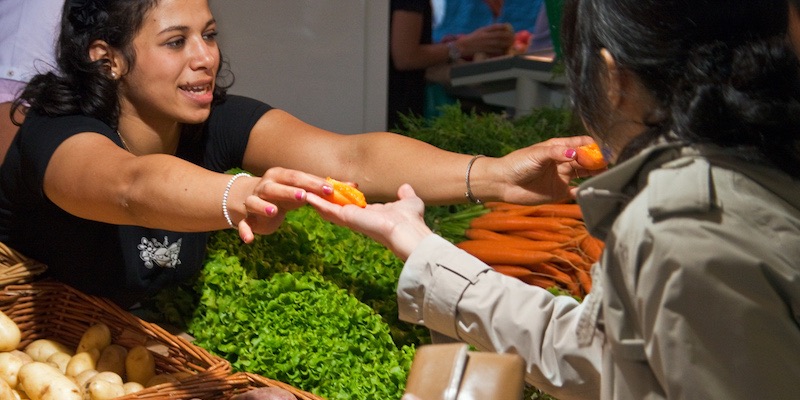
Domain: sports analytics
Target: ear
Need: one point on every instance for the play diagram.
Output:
(100, 50)
(613, 79)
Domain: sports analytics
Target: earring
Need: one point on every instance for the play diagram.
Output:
(113, 75)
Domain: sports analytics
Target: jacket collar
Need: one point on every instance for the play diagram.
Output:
(603, 197)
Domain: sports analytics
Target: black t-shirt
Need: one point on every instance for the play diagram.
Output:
(123, 263)
(407, 88)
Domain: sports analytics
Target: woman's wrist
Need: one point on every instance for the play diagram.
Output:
(407, 236)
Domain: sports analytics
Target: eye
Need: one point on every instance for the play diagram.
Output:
(211, 36)
(176, 43)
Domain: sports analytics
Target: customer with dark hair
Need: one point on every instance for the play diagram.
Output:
(118, 173)
(697, 294)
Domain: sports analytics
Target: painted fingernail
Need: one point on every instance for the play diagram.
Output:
(570, 153)
(270, 210)
(327, 189)
(300, 194)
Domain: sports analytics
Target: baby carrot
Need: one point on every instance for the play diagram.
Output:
(585, 280)
(559, 210)
(514, 271)
(540, 281)
(490, 253)
(485, 234)
(516, 223)
(502, 245)
(569, 257)
(592, 247)
(543, 235)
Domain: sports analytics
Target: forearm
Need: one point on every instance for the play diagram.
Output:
(158, 191)
(381, 165)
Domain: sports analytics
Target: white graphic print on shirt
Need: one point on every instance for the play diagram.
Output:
(165, 255)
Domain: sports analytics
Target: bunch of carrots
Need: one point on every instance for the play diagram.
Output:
(544, 245)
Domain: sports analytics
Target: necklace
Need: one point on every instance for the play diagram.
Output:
(124, 144)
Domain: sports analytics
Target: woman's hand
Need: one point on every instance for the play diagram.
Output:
(492, 40)
(278, 191)
(539, 173)
(398, 225)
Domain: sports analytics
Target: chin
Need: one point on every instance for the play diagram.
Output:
(196, 118)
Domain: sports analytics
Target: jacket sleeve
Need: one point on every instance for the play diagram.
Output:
(452, 292)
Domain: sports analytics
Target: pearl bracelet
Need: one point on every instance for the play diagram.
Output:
(468, 193)
(225, 194)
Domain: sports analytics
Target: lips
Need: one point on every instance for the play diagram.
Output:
(196, 89)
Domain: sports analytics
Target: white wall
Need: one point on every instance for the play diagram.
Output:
(325, 61)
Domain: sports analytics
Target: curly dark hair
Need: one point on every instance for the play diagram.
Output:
(83, 86)
(721, 71)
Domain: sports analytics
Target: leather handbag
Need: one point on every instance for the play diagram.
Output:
(453, 372)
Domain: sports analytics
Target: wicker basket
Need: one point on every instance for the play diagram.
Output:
(244, 381)
(49, 310)
(16, 268)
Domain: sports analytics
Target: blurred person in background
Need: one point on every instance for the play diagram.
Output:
(28, 30)
(412, 52)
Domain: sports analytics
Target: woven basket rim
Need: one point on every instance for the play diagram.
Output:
(243, 381)
(68, 312)
(16, 268)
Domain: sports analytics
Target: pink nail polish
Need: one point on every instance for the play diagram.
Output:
(270, 210)
(300, 194)
(327, 189)
(570, 153)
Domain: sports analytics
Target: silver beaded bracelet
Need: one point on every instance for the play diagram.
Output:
(225, 194)
(468, 193)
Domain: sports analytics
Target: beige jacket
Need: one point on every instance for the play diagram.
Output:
(698, 296)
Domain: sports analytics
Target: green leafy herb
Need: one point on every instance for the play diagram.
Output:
(300, 329)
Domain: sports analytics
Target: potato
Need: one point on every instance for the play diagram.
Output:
(104, 390)
(10, 334)
(6, 391)
(59, 360)
(97, 336)
(82, 361)
(10, 363)
(140, 365)
(107, 376)
(45, 382)
(112, 358)
(41, 349)
(132, 387)
(83, 378)
(21, 355)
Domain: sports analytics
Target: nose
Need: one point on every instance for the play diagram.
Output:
(204, 54)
